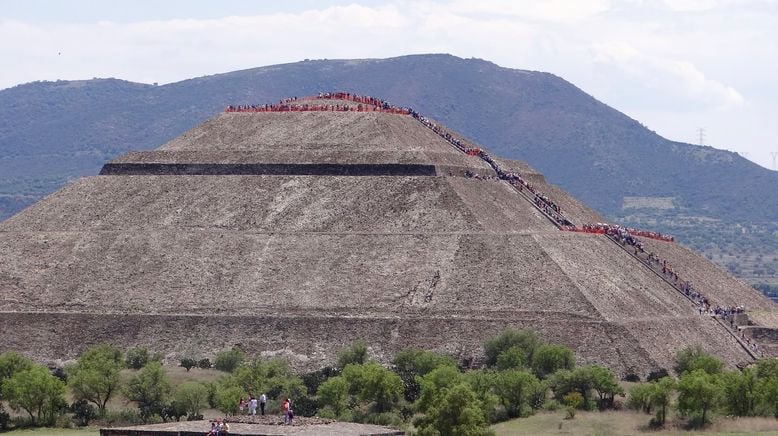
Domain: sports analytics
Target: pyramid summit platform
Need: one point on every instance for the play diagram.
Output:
(294, 233)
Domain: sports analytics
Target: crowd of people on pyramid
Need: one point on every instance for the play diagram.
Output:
(295, 104)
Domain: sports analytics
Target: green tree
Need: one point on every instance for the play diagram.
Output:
(482, 382)
(656, 394)
(334, 393)
(740, 391)
(411, 363)
(525, 340)
(228, 361)
(767, 368)
(516, 390)
(455, 414)
(37, 392)
(137, 357)
(693, 358)
(661, 397)
(549, 358)
(434, 384)
(372, 383)
(640, 397)
(699, 392)
(512, 358)
(95, 376)
(228, 399)
(355, 354)
(11, 363)
(272, 377)
(566, 381)
(767, 395)
(149, 389)
(191, 397)
(605, 383)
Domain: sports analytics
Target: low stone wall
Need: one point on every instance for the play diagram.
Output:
(311, 342)
(256, 169)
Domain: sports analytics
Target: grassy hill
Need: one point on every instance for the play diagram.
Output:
(53, 132)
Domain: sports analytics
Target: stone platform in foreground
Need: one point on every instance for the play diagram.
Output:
(273, 426)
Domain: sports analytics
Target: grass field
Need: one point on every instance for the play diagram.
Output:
(626, 423)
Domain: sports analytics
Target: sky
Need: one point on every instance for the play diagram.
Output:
(678, 66)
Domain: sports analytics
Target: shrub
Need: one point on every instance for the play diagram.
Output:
(188, 363)
(412, 363)
(693, 358)
(306, 406)
(356, 354)
(698, 392)
(657, 374)
(549, 358)
(631, 376)
(273, 377)
(516, 390)
(126, 417)
(227, 361)
(512, 358)
(313, 380)
(740, 392)
(525, 340)
(150, 389)
(640, 397)
(573, 401)
(227, 399)
(334, 393)
(372, 383)
(204, 363)
(482, 382)
(137, 357)
(191, 397)
(456, 413)
(83, 412)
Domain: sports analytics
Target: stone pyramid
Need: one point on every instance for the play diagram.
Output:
(294, 229)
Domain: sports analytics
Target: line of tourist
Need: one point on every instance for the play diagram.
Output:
(541, 200)
(285, 107)
(601, 228)
(704, 307)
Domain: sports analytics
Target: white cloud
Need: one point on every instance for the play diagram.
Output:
(675, 79)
